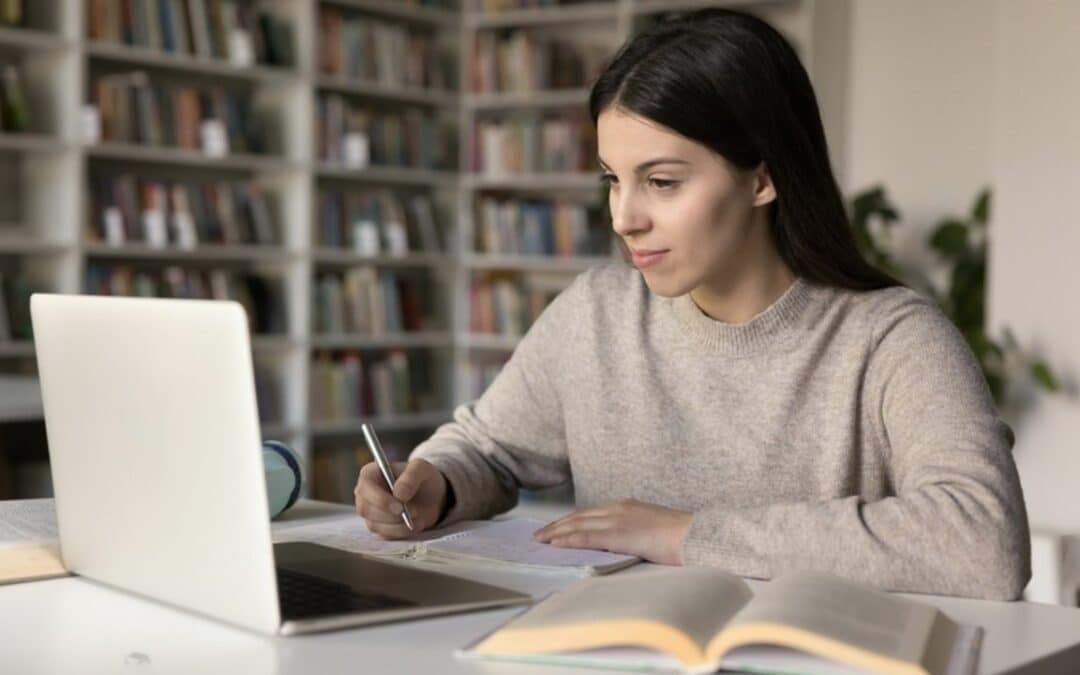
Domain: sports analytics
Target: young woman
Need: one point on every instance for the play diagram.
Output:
(750, 393)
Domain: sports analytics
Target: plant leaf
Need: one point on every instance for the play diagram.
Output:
(980, 212)
(950, 238)
(1041, 372)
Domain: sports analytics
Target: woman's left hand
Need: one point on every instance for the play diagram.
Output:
(651, 532)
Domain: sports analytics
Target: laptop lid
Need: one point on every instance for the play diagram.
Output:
(154, 439)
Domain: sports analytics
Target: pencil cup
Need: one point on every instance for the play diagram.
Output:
(284, 476)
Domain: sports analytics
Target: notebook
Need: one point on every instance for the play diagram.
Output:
(698, 620)
(500, 543)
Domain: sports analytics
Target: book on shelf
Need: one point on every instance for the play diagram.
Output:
(234, 31)
(335, 470)
(372, 222)
(15, 292)
(133, 108)
(701, 619)
(365, 48)
(366, 301)
(268, 397)
(184, 214)
(13, 13)
(524, 60)
(262, 297)
(359, 136)
(350, 385)
(504, 303)
(5, 319)
(14, 110)
(480, 374)
(538, 228)
(529, 143)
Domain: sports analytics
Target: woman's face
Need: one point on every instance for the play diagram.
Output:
(672, 195)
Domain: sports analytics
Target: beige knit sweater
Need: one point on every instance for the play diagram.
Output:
(838, 431)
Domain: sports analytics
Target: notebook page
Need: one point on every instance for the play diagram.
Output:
(27, 520)
(350, 533)
(511, 541)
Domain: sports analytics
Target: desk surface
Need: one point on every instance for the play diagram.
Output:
(75, 625)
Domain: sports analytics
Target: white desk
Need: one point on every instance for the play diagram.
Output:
(72, 625)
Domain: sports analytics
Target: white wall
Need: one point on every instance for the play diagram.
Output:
(1034, 274)
(945, 97)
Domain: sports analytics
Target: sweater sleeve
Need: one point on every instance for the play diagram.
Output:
(956, 523)
(513, 435)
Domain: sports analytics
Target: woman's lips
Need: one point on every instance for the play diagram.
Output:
(646, 258)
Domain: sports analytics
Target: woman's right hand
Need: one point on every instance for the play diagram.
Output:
(419, 485)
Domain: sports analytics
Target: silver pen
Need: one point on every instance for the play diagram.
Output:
(384, 466)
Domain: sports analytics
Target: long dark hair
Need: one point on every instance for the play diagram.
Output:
(731, 82)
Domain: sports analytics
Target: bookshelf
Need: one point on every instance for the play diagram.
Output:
(303, 158)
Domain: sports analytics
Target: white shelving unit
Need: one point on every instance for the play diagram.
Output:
(46, 239)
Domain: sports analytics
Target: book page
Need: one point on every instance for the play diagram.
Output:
(350, 533)
(697, 601)
(845, 612)
(511, 541)
(27, 520)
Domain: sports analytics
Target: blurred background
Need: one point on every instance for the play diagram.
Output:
(394, 190)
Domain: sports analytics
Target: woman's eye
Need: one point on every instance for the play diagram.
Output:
(662, 184)
(608, 178)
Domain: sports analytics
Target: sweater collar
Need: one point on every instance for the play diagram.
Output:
(771, 329)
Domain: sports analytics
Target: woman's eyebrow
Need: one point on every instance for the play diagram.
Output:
(649, 164)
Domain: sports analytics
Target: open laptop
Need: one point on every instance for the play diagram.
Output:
(154, 445)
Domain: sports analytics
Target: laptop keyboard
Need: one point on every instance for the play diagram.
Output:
(303, 596)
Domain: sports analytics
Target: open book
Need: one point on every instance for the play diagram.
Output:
(697, 620)
(28, 545)
(500, 542)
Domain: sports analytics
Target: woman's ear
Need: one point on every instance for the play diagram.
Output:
(764, 190)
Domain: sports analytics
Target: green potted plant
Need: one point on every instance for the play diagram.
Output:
(961, 245)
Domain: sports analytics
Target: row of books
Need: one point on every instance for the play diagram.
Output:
(367, 301)
(373, 222)
(350, 385)
(268, 396)
(530, 144)
(361, 47)
(357, 136)
(14, 109)
(262, 297)
(335, 470)
(524, 61)
(126, 208)
(503, 304)
(552, 228)
(15, 292)
(230, 30)
(217, 121)
(480, 374)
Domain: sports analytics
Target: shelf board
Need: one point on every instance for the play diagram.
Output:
(396, 9)
(32, 142)
(16, 348)
(402, 422)
(488, 342)
(238, 252)
(20, 398)
(389, 174)
(343, 85)
(559, 98)
(534, 181)
(586, 11)
(153, 58)
(272, 343)
(540, 263)
(133, 152)
(27, 244)
(32, 40)
(424, 339)
(337, 256)
(641, 7)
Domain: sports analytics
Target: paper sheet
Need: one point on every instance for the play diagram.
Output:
(512, 541)
(349, 533)
(27, 520)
